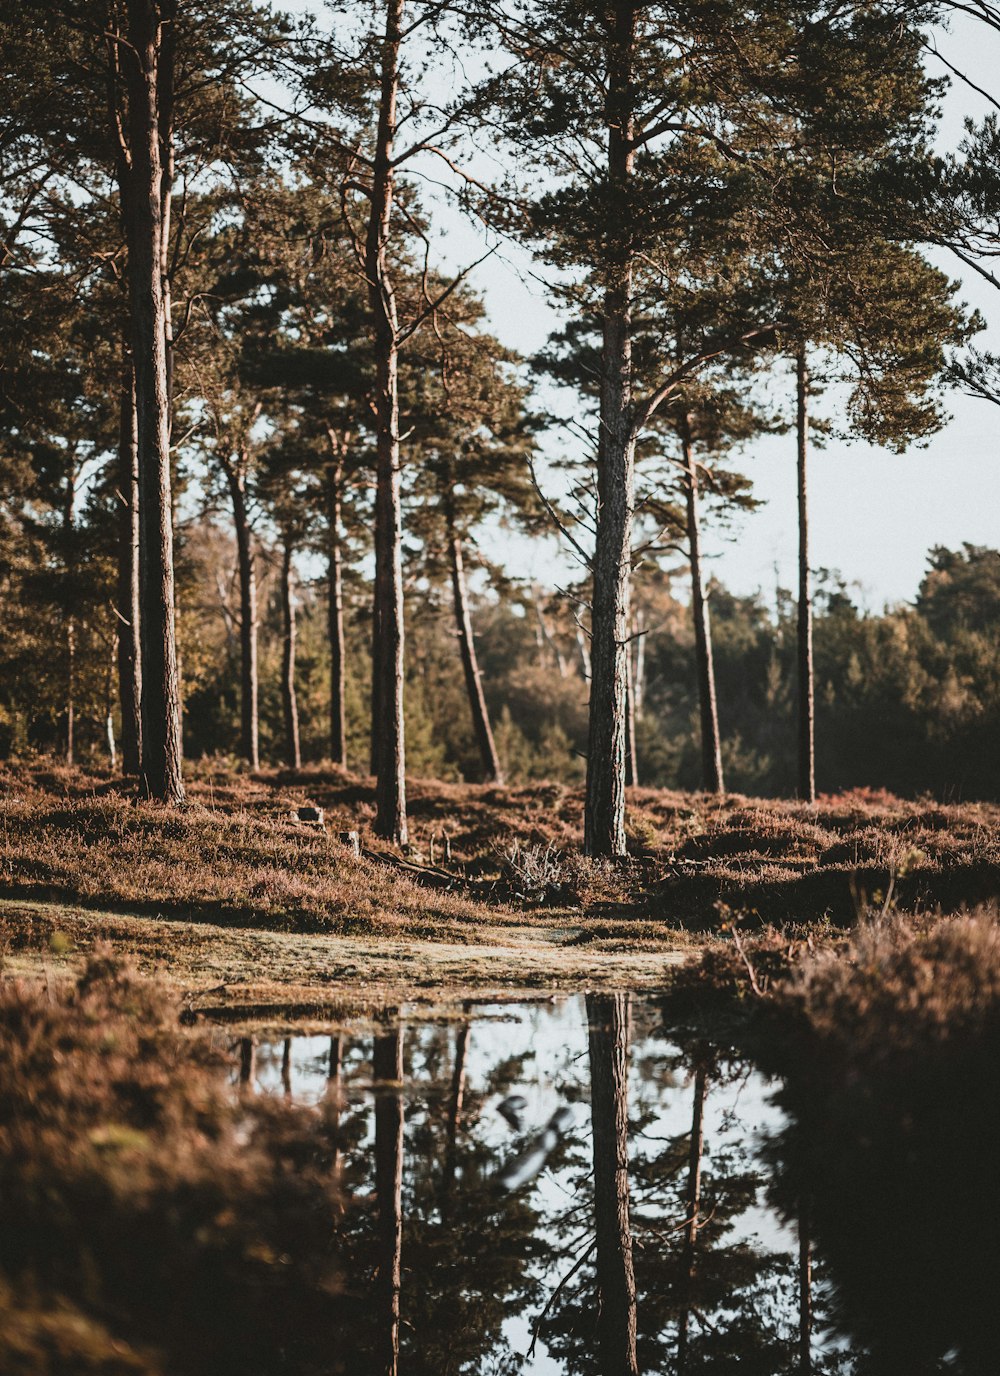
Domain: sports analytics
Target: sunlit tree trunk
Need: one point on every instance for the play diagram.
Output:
(335, 607)
(604, 815)
(289, 701)
(631, 751)
(492, 769)
(147, 63)
(807, 700)
(69, 536)
(129, 659)
(249, 678)
(608, 1020)
(692, 1212)
(387, 631)
(388, 1073)
(711, 744)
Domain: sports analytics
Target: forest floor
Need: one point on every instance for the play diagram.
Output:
(252, 914)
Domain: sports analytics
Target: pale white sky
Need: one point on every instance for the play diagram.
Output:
(874, 514)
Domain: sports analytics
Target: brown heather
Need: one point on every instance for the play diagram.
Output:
(149, 1221)
(233, 855)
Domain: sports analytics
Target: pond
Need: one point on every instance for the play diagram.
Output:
(575, 1186)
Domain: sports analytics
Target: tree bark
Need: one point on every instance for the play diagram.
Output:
(693, 1209)
(711, 745)
(631, 750)
(492, 769)
(288, 699)
(249, 677)
(807, 699)
(69, 531)
(387, 1067)
(146, 62)
(608, 1020)
(129, 658)
(335, 610)
(388, 735)
(604, 815)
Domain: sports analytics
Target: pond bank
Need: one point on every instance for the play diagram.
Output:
(245, 974)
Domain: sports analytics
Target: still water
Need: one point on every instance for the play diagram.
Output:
(576, 1188)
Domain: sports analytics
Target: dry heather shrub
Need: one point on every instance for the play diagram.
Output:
(537, 874)
(195, 863)
(142, 1210)
(901, 987)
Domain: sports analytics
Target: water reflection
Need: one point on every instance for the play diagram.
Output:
(573, 1188)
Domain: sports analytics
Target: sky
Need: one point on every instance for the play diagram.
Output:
(874, 515)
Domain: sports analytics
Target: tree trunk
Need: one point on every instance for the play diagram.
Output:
(807, 700)
(69, 532)
(604, 815)
(387, 1067)
(388, 734)
(711, 745)
(129, 658)
(608, 1019)
(492, 769)
(693, 1209)
(150, 35)
(631, 750)
(288, 699)
(335, 612)
(249, 711)
(639, 673)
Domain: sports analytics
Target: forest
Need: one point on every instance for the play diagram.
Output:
(262, 451)
(450, 919)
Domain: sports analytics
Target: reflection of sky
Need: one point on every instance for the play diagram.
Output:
(550, 1039)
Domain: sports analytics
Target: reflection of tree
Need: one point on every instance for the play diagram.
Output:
(608, 1021)
(387, 1066)
(693, 1202)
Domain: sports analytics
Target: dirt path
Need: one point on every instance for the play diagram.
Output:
(245, 974)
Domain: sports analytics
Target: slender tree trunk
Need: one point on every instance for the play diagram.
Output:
(388, 1073)
(631, 751)
(249, 678)
(693, 1209)
(69, 533)
(711, 745)
(639, 674)
(288, 698)
(604, 815)
(807, 699)
(151, 36)
(608, 1019)
(492, 769)
(335, 611)
(129, 658)
(387, 632)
